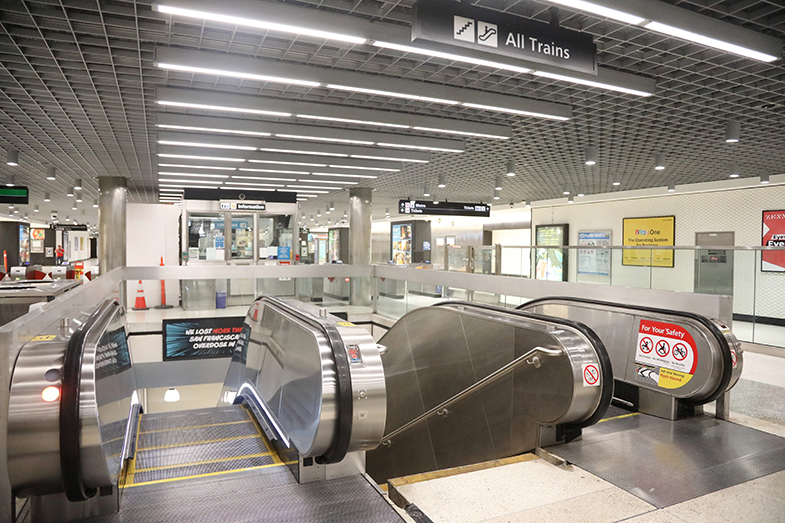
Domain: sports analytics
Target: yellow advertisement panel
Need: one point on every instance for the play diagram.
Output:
(649, 232)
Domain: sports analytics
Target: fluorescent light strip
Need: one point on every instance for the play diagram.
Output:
(208, 158)
(194, 175)
(234, 188)
(302, 199)
(197, 166)
(272, 171)
(222, 108)
(211, 130)
(298, 151)
(461, 133)
(327, 181)
(710, 42)
(260, 24)
(312, 187)
(210, 145)
(602, 11)
(300, 192)
(323, 139)
(340, 175)
(262, 178)
(392, 94)
(277, 162)
(188, 186)
(237, 74)
(169, 180)
(256, 184)
(171, 190)
(591, 83)
(420, 148)
(450, 56)
(513, 111)
(363, 168)
(349, 120)
(387, 158)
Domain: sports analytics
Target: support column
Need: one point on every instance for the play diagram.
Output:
(111, 222)
(360, 242)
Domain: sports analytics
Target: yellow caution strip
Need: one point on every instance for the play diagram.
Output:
(194, 427)
(205, 462)
(631, 414)
(209, 474)
(267, 443)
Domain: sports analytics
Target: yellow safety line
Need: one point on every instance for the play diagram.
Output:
(205, 462)
(194, 443)
(169, 480)
(273, 453)
(193, 427)
(620, 417)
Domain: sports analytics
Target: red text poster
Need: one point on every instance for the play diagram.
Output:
(773, 236)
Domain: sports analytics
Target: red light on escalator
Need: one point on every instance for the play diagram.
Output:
(50, 394)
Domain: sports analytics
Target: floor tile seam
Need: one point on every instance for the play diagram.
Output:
(204, 462)
(204, 442)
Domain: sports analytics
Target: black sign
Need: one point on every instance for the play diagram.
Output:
(16, 195)
(198, 338)
(444, 208)
(242, 206)
(61, 227)
(112, 355)
(463, 25)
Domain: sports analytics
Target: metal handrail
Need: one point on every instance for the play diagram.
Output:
(490, 378)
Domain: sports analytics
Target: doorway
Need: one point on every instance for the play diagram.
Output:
(714, 266)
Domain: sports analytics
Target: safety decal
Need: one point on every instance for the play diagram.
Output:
(47, 337)
(346, 324)
(670, 349)
(591, 375)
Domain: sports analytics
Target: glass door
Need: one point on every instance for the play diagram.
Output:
(242, 236)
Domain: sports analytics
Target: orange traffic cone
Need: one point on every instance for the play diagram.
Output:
(163, 292)
(140, 304)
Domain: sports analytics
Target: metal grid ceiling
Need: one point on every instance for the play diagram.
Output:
(78, 92)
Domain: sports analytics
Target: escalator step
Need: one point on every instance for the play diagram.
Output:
(189, 436)
(218, 450)
(202, 469)
(192, 418)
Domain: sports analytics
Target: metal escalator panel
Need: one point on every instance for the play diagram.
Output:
(469, 383)
(683, 355)
(317, 383)
(71, 438)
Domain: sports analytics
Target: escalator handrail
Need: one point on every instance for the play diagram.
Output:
(345, 399)
(478, 385)
(725, 350)
(603, 359)
(70, 420)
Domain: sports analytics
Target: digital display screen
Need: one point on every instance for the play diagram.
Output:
(402, 244)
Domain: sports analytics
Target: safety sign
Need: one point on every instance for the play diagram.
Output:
(591, 375)
(668, 348)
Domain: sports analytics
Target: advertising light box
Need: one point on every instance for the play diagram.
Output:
(655, 231)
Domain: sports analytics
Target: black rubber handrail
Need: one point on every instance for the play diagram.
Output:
(725, 350)
(345, 399)
(606, 396)
(70, 421)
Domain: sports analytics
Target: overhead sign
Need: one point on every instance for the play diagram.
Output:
(657, 231)
(591, 258)
(198, 338)
(462, 25)
(773, 235)
(666, 354)
(242, 206)
(444, 208)
(16, 195)
(62, 227)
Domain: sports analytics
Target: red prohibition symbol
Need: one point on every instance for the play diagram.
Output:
(680, 352)
(591, 374)
(646, 345)
(662, 348)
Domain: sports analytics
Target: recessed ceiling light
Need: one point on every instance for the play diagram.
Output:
(392, 94)
(278, 162)
(186, 166)
(208, 145)
(359, 168)
(194, 175)
(207, 107)
(256, 184)
(323, 139)
(207, 158)
(236, 177)
(172, 180)
(213, 130)
(514, 111)
(327, 181)
(592, 83)
(418, 148)
(709, 42)
(273, 171)
(387, 158)
(462, 133)
(351, 120)
(311, 187)
(605, 12)
(450, 56)
(300, 151)
(237, 74)
(342, 175)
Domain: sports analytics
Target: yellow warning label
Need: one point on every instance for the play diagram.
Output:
(346, 324)
(673, 379)
(47, 337)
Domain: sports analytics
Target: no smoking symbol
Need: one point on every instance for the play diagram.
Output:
(646, 345)
(663, 348)
(680, 351)
(591, 375)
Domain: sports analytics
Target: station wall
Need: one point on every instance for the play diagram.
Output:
(152, 231)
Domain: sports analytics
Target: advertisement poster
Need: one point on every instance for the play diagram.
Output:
(199, 338)
(37, 246)
(773, 236)
(402, 244)
(334, 244)
(593, 260)
(24, 244)
(655, 231)
(551, 264)
(37, 234)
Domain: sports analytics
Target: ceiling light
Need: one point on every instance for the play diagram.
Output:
(305, 192)
(498, 185)
(671, 187)
(514, 111)
(496, 194)
(733, 169)
(207, 107)
(418, 147)
(256, 184)
(392, 94)
(186, 166)
(327, 181)
(275, 171)
(363, 157)
(51, 173)
(260, 24)
(450, 56)
(300, 151)
(12, 158)
(236, 177)
(359, 168)
(68, 218)
(387, 211)
(78, 184)
(36, 209)
(342, 175)
(332, 206)
(323, 139)
(207, 158)
(47, 198)
(237, 74)
(591, 83)
(566, 190)
(79, 197)
(510, 167)
(590, 156)
(72, 208)
(764, 178)
(461, 133)
(570, 199)
(179, 185)
(171, 395)
(350, 120)
(528, 204)
(602, 11)
(9, 180)
(194, 175)
(327, 211)
(312, 187)
(616, 180)
(70, 191)
(95, 202)
(709, 42)
(732, 132)
(426, 190)
(213, 130)
(442, 181)
(209, 145)
(659, 162)
(289, 163)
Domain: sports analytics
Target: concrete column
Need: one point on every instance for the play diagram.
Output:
(111, 222)
(360, 242)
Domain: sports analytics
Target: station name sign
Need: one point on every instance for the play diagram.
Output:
(479, 210)
(242, 206)
(462, 25)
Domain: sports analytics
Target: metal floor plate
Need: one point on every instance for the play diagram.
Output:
(667, 462)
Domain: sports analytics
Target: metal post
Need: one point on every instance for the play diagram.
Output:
(360, 243)
(295, 235)
(111, 222)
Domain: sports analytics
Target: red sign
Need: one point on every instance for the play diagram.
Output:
(773, 236)
(674, 357)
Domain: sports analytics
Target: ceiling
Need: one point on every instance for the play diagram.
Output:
(80, 84)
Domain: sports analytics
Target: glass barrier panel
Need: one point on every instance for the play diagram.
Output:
(456, 259)
(678, 276)
(631, 268)
(390, 297)
(768, 325)
(515, 261)
(485, 260)
(591, 265)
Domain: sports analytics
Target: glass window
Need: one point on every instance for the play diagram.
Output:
(242, 236)
(206, 236)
